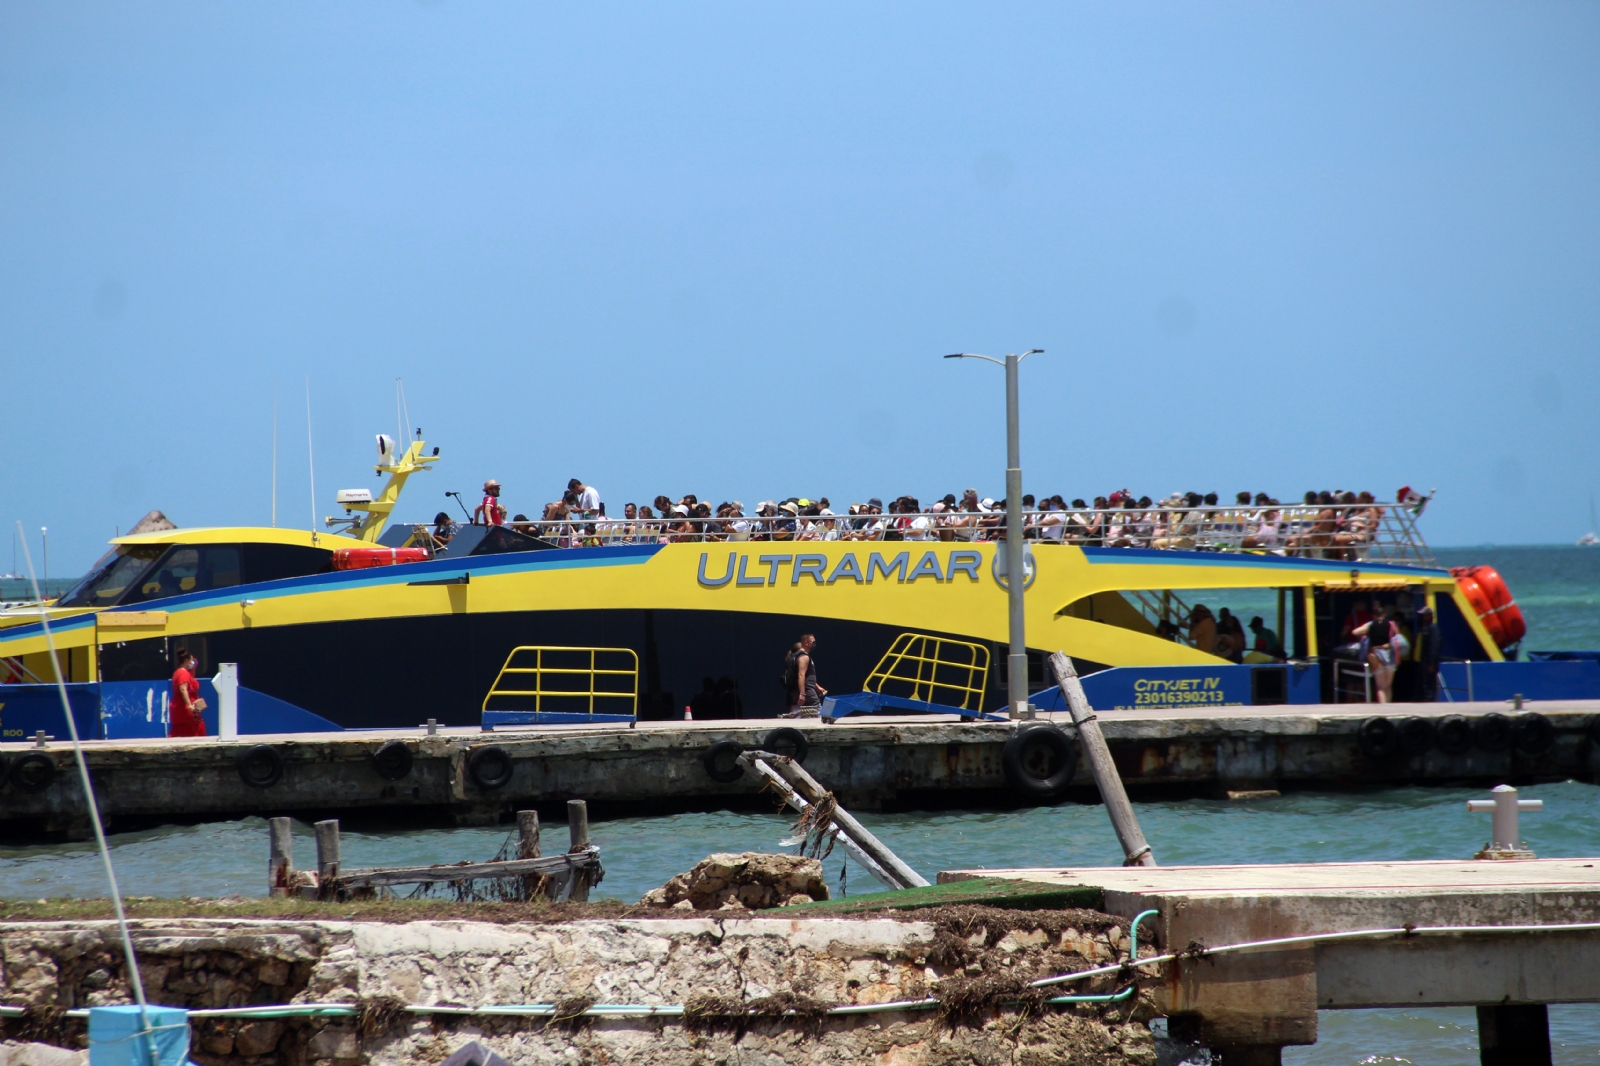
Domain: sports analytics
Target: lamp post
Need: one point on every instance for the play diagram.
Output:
(1017, 659)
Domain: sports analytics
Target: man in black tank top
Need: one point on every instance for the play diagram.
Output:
(807, 693)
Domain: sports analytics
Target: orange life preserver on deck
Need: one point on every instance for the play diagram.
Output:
(1486, 591)
(362, 558)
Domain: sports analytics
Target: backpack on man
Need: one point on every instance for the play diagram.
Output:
(790, 680)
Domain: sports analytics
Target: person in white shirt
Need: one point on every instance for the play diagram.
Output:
(588, 496)
(1052, 522)
(738, 525)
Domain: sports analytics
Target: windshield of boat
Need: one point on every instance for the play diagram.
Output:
(107, 579)
(188, 568)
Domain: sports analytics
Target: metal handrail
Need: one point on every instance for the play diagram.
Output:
(538, 670)
(1376, 532)
(912, 649)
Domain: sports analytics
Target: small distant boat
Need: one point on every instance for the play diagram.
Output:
(1590, 539)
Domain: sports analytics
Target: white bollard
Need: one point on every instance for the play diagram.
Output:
(227, 683)
(1505, 805)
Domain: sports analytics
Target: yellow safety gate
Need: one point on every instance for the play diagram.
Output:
(567, 681)
(919, 667)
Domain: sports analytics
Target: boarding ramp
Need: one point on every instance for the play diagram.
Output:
(555, 685)
(921, 674)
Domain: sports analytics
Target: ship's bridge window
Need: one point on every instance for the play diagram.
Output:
(188, 568)
(106, 581)
(1217, 621)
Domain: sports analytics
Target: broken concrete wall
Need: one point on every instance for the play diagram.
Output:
(726, 965)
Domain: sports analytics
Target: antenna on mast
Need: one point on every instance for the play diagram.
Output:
(274, 453)
(404, 409)
(311, 462)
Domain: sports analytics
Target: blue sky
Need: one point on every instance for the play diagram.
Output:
(720, 248)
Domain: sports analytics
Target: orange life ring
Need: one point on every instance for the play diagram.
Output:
(1486, 591)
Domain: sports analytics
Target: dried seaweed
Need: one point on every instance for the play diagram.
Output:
(815, 827)
(570, 1013)
(709, 1013)
(379, 1014)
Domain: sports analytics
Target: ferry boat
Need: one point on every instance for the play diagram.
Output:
(375, 624)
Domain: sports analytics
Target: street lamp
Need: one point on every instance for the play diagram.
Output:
(1017, 659)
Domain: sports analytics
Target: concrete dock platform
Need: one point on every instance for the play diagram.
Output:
(466, 776)
(1478, 933)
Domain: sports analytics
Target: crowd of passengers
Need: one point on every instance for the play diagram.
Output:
(1331, 525)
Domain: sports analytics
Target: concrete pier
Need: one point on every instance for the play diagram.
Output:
(471, 777)
(1251, 1004)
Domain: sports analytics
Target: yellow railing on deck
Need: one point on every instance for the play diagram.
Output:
(928, 666)
(568, 678)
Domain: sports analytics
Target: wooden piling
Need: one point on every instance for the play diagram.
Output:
(528, 834)
(327, 850)
(578, 829)
(280, 856)
(1112, 794)
(578, 824)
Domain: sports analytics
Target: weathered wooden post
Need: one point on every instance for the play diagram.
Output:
(528, 834)
(280, 856)
(1112, 794)
(528, 848)
(327, 855)
(578, 828)
(578, 824)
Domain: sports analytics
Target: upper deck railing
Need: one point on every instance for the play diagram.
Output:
(1376, 532)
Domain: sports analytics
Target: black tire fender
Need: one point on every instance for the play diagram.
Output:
(1453, 734)
(1039, 762)
(1416, 736)
(490, 767)
(260, 766)
(1378, 737)
(1533, 733)
(787, 740)
(32, 773)
(393, 760)
(1493, 732)
(1594, 729)
(721, 761)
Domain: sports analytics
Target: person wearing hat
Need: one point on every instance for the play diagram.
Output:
(1266, 642)
(491, 512)
(964, 524)
(784, 527)
(680, 529)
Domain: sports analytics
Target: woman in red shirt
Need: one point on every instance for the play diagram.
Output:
(186, 705)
